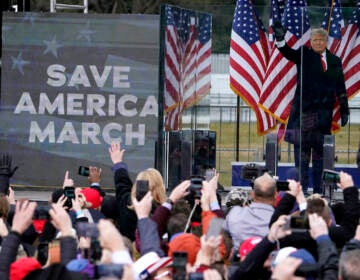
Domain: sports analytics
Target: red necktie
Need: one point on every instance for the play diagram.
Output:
(323, 62)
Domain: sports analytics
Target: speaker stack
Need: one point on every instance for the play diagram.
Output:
(190, 153)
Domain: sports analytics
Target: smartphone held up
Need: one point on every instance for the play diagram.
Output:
(142, 187)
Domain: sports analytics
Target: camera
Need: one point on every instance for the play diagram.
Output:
(297, 224)
(84, 171)
(282, 185)
(196, 185)
(251, 171)
(331, 176)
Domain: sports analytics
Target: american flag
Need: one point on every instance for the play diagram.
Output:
(249, 55)
(352, 63)
(280, 80)
(187, 62)
(276, 13)
(334, 23)
(342, 42)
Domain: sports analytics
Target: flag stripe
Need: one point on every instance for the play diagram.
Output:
(249, 55)
(187, 62)
(281, 75)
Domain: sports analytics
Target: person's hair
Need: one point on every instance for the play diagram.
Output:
(318, 206)
(319, 31)
(156, 184)
(349, 265)
(4, 206)
(227, 240)
(181, 206)
(56, 194)
(265, 187)
(176, 224)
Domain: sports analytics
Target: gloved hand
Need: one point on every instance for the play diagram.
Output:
(344, 108)
(279, 31)
(344, 119)
(6, 172)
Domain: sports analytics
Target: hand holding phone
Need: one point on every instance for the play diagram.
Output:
(282, 185)
(215, 227)
(84, 171)
(69, 193)
(297, 224)
(331, 176)
(209, 174)
(142, 187)
(179, 265)
(196, 186)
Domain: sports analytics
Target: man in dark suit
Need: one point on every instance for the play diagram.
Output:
(320, 83)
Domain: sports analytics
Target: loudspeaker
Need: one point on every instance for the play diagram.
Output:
(328, 163)
(271, 153)
(204, 151)
(190, 153)
(329, 152)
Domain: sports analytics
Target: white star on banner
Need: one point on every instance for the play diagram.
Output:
(18, 63)
(52, 46)
(30, 17)
(86, 33)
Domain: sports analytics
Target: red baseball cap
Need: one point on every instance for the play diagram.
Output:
(93, 196)
(248, 245)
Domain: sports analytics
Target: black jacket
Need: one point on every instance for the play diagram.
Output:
(319, 89)
(252, 266)
(126, 218)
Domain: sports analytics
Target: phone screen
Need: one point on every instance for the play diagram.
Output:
(331, 176)
(69, 192)
(84, 171)
(215, 227)
(179, 265)
(142, 187)
(209, 174)
(299, 223)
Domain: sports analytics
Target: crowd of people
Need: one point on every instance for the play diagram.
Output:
(188, 233)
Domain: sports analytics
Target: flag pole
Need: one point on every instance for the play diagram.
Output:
(237, 127)
(330, 14)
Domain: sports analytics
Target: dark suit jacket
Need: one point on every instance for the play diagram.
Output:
(319, 89)
(126, 218)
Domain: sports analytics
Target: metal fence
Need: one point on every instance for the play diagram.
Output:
(251, 146)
